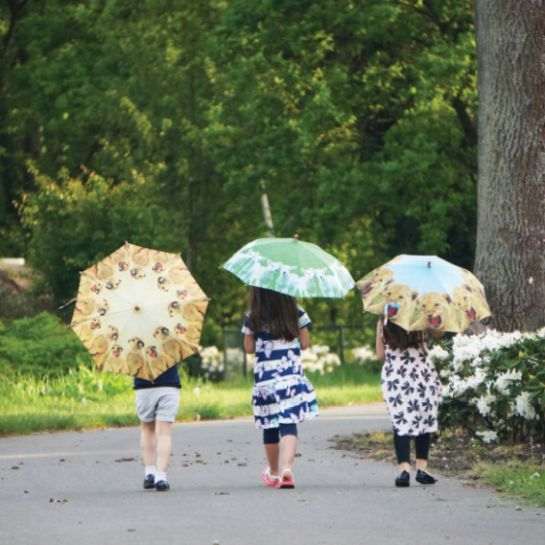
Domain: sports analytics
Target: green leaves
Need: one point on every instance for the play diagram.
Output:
(73, 223)
(159, 123)
(41, 346)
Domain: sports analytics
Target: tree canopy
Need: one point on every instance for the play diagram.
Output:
(161, 123)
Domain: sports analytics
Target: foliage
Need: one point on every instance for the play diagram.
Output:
(316, 360)
(163, 123)
(48, 382)
(495, 384)
(73, 223)
(359, 106)
(364, 356)
(86, 399)
(319, 359)
(41, 346)
(212, 363)
(518, 479)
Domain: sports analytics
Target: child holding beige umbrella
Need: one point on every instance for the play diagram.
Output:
(416, 296)
(140, 312)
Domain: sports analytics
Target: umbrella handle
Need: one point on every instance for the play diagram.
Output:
(72, 301)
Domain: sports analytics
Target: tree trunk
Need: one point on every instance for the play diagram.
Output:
(510, 254)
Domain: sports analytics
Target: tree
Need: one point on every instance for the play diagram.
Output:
(12, 181)
(357, 116)
(510, 255)
(360, 118)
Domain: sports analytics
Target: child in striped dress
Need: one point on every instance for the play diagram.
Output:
(276, 330)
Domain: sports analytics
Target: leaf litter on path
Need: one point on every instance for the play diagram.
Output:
(57, 500)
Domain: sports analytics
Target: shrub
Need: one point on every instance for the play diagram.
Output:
(73, 223)
(319, 359)
(41, 345)
(364, 356)
(212, 363)
(494, 384)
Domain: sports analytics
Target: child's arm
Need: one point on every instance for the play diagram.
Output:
(379, 343)
(304, 338)
(249, 344)
(304, 328)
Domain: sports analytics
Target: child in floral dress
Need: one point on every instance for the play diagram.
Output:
(276, 330)
(412, 392)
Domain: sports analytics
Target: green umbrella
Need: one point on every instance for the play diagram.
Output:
(290, 266)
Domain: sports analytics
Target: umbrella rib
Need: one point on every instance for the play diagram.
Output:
(93, 316)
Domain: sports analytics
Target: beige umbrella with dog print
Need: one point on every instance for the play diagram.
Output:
(419, 292)
(139, 311)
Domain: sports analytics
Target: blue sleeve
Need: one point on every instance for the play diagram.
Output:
(304, 320)
(246, 326)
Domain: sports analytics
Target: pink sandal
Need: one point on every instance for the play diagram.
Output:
(268, 479)
(286, 480)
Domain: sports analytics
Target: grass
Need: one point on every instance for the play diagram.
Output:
(519, 479)
(85, 399)
(514, 469)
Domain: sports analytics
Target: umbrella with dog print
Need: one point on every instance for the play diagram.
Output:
(139, 311)
(419, 292)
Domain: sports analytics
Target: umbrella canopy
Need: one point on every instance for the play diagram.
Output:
(419, 292)
(290, 266)
(139, 311)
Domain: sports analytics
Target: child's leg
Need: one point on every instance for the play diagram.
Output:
(270, 440)
(166, 411)
(288, 446)
(146, 413)
(148, 444)
(422, 443)
(402, 445)
(163, 431)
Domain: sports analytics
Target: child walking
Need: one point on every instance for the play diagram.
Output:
(157, 405)
(412, 391)
(276, 329)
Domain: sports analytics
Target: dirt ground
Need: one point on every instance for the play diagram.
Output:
(452, 453)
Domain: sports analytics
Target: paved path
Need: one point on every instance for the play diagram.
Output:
(84, 489)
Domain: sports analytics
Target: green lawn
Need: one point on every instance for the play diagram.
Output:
(523, 480)
(85, 399)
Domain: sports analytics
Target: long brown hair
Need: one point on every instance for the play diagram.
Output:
(274, 312)
(397, 338)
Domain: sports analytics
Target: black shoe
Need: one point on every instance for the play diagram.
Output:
(162, 486)
(425, 478)
(403, 480)
(149, 481)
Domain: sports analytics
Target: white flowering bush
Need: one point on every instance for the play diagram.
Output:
(362, 355)
(494, 384)
(212, 363)
(234, 356)
(366, 357)
(319, 359)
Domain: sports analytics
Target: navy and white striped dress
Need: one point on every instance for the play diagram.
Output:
(281, 394)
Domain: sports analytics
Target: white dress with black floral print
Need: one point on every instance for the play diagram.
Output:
(412, 391)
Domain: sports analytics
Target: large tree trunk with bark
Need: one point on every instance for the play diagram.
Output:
(510, 256)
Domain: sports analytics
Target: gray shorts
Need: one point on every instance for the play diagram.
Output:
(157, 404)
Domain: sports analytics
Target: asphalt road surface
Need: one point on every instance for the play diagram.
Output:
(84, 488)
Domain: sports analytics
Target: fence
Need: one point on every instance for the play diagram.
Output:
(340, 339)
